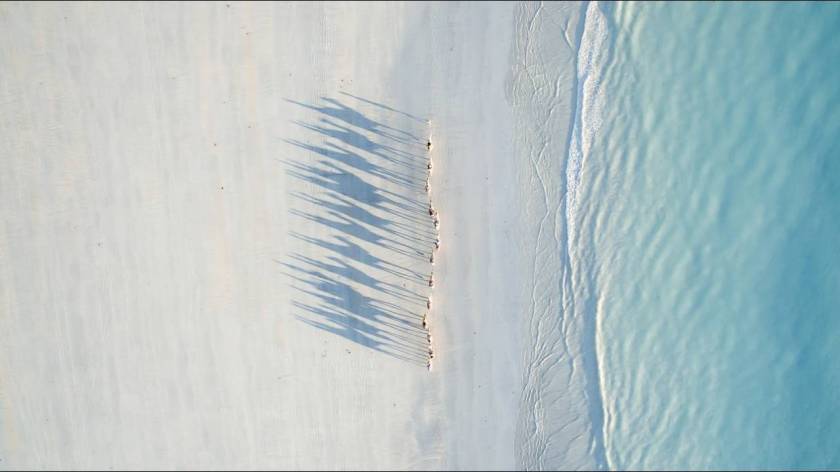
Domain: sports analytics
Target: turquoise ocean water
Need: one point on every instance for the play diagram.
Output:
(708, 225)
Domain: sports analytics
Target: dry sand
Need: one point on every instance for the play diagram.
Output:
(215, 240)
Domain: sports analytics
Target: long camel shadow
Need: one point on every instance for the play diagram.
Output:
(363, 219)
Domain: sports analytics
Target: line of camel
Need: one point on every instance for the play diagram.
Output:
(434, 215)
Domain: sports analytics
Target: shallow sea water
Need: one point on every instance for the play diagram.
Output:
(705, 234)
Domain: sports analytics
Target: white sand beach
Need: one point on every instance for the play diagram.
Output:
(215, 240)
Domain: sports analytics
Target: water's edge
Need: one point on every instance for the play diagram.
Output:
(553, 96)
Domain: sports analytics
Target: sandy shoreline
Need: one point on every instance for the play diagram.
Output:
(216, 239)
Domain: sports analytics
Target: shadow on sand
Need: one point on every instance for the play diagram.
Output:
(365, 226)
